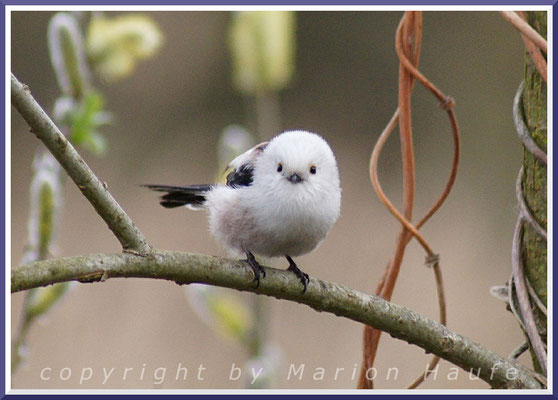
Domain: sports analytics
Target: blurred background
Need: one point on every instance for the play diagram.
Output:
(167, 120)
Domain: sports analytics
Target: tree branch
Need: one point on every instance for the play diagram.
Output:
(106, 206)
(525, 29)
(185, 268)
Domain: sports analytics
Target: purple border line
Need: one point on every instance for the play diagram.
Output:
(3, 202)
(284, 2)
(4, 3)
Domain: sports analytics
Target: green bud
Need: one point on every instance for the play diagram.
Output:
(262, 45)
(84, 121)
(65, 44)
(45, 194)
(232, 317)
(42, 299)
(46, 217)
(221, 310)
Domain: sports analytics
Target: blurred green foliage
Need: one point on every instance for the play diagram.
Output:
(262, 45)
(115, 45)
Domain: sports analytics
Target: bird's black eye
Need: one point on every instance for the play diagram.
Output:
(279, 167)
(313, 169)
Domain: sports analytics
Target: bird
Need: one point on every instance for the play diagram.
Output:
(280, 199)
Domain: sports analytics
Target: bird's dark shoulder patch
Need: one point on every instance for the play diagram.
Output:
(241, 177)
(242, 173)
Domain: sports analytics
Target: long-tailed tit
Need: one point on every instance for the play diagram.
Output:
(280, 200)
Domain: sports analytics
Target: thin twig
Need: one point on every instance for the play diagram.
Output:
(526, 215)
(23, 329)
(512, 303)
(387, 284)
(522, 130)
(523, 297)
(447, 104)
(534, 51)
(523, 206)
(525, 29)
(537, 57)
(518, 351)
(380, 192)
(536, 299)
(184, 268)
(443, 319)
(106, 206)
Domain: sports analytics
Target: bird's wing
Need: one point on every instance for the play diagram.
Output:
(242, 167)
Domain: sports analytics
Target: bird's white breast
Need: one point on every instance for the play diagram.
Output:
(275, 216)
(292, 221)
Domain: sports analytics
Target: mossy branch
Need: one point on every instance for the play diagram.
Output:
(184, 268)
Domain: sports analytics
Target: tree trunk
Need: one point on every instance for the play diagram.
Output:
(534, 179)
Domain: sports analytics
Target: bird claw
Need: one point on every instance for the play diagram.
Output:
(302, 276)
(257, 268)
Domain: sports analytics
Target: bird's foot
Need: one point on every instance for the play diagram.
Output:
(256, 267)
(304, 278)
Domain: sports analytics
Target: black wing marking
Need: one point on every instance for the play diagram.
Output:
(241, 177)
(242, 173)
(178, 196)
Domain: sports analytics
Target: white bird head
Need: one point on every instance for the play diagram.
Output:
(298, 161)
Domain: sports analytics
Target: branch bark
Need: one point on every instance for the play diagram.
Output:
(106, 206)
(185, 268)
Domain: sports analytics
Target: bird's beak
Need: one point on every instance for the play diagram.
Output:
(294, 178)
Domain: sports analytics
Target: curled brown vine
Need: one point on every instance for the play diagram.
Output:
(408, 41)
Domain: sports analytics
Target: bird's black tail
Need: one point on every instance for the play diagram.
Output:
(178, 196)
